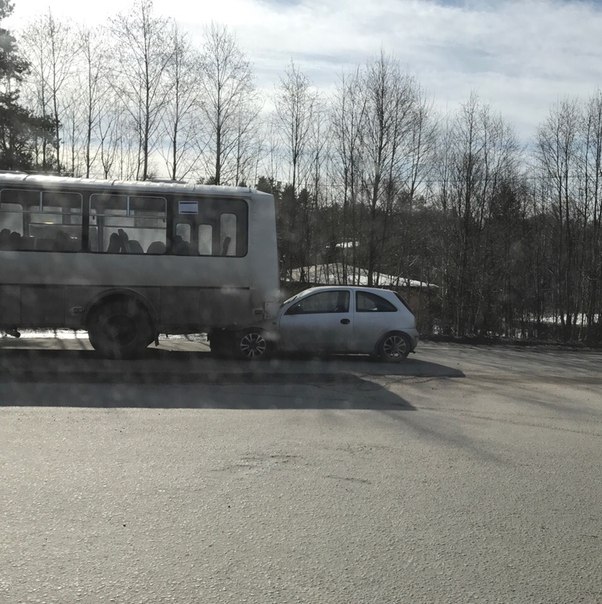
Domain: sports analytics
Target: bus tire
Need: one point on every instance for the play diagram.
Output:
(220, 343)
(120, 329)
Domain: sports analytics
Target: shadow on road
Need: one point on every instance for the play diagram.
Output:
(169, 367)
(173, 379)
(357, 394)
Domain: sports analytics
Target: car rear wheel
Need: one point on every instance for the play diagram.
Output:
(394, 347)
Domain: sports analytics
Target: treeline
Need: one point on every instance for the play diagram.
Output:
(369, 176)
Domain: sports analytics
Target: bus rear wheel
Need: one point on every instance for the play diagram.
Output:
(120, 329)
(250, 345)
(220, 343)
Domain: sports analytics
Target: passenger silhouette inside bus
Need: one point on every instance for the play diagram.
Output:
(114, 244)
(14, 241)
(180, 246)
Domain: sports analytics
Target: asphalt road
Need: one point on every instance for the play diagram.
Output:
(465, 474)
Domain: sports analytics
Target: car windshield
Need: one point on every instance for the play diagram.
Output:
(291, 299)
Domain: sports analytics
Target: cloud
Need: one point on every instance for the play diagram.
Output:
(89, 13)
(519, 56)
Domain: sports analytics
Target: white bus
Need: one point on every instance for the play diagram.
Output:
(127, 261)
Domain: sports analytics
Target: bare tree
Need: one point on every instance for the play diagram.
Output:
(51, 49)
(347, 127)
(557, 153)
(112, 124)
(593, 177)
(295, 108)
(87, 94)
(295, 103)
(249, 149)
(227, 91)
(391, 97)
(143, 52)
(181, 116)
(94, 84)
(480, 165)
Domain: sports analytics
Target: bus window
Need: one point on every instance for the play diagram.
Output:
(220, 226)
(14, 216)
(26, 200)
(183, 231)
(58, 226)
(182, 243)
(11, 220)
(127, 225)
(40, 220)
(150, 223)
(107, 214)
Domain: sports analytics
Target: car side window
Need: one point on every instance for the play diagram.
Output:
(323, 302)
(368, 302)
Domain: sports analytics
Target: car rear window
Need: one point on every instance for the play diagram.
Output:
(402, 300)
(368, 302)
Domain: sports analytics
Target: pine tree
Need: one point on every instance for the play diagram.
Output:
(20, 130)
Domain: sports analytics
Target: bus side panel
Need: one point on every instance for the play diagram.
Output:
(32, 306)
(10, 305)
(226, 307)
(263, 251)
(202, 308)
(42, 306)
(179, 308)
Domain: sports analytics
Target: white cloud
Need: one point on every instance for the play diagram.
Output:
(88, 13)
(519, 56)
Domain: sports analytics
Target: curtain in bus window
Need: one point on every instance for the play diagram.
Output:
(205, 233)
(227, 231)
(230, 226)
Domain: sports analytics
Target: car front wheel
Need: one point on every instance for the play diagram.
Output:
(394, 347)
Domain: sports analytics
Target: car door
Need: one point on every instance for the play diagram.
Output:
(374, 316)
(318, 322)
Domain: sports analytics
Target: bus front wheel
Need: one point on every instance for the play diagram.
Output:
(120, 329)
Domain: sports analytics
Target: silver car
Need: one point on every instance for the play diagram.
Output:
(337, 319)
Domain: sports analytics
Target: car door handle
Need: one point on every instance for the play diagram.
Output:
(345, 321)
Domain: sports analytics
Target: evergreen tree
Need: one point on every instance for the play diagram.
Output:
(20, 130)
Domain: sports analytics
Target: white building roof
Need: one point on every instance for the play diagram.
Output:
(332, 274)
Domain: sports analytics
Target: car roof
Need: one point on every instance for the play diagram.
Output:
(358, 288)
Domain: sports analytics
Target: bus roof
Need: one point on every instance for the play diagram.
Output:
(146, 186)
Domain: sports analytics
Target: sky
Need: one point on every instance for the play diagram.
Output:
(519, 57)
